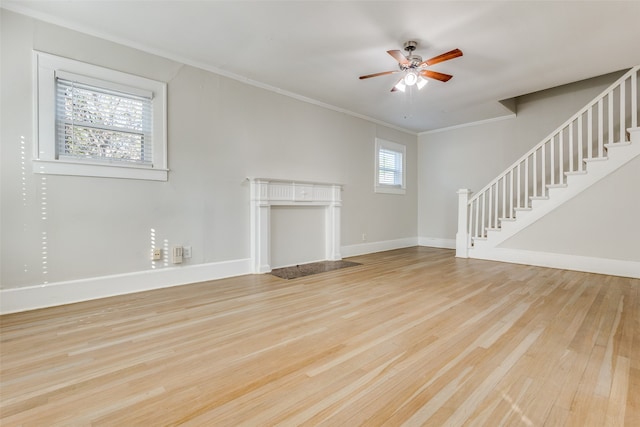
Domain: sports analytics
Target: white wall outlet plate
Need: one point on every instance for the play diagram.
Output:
(156, 254)
(186, 252)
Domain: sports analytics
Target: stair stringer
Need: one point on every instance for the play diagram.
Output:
(617, 155)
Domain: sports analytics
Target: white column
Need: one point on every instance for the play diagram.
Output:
(260, 227)
(332, 226)
(462, 248)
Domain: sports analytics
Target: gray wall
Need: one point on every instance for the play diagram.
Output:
(220, 132)
(601, 222)
(297, 235)
(470, 157)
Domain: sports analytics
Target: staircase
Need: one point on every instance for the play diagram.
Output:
(597, 140)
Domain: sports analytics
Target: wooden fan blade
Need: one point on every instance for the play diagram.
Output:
(384, 73)
(444, 57)
(394, 88)
(436, 75)
(398, 56)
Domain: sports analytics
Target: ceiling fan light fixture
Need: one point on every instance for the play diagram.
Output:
(400, 85)
(411, 78)
(422, 82)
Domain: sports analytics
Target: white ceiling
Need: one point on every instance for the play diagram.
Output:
(316, 50)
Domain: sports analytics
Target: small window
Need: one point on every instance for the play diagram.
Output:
(93, 121)
(390, 167)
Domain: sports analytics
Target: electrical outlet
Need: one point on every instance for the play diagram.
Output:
(176, 255)
(156, 254)
(186, 252)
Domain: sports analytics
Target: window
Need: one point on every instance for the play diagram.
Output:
(390, 167)
(92, 121)
(98, 124)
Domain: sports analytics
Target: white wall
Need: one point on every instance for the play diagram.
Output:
(220, 132)
(470, 157)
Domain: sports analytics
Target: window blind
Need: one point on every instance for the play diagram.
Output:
(389, 167)
(102, 124)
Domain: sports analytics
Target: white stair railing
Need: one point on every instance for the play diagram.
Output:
(580, 139)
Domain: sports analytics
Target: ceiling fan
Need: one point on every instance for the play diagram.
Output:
(414, 68)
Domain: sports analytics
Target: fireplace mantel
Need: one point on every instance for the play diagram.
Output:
(267, 192)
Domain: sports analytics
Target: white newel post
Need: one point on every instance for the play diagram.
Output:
(266, 193)
(462, 238)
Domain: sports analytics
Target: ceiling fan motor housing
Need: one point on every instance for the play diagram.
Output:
(414, 60)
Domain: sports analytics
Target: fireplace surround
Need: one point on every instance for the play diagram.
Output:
(266, 192)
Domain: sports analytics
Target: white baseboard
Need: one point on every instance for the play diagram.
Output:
(437, 242)
(372, 247)
(14, 300)
(613, 267)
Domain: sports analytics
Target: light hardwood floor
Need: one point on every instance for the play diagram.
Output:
(411, 337)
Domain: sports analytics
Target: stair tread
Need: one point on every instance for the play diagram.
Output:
(522, 209)
(494, 229)
(507, 219)
(595, 159)
(618, 144)
(582, 172)
(539, 197)
(556, 185)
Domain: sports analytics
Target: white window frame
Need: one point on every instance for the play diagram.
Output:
(398, 148)
(46, 161)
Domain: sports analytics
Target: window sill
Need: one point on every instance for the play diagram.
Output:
(390, 190)
(57, 167)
